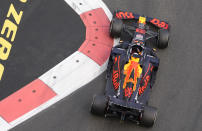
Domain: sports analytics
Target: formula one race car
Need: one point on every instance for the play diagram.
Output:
(132, 68)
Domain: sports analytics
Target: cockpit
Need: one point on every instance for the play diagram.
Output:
(136, 50)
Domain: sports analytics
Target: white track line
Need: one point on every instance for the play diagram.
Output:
(4, 126)
(81, 6)
(72, 73)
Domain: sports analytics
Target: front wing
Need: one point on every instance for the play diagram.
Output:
(130, 15)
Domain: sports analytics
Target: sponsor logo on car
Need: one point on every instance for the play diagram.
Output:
(125, 15)
(116, 73)
(145, 80)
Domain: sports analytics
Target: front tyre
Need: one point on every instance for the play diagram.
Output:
(149, 116)
(99, 104)
(163, 38)
(116, 27)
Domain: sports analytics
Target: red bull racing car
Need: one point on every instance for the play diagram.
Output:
(132, 68)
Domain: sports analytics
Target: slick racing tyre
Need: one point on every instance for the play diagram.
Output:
(163, 38)
(116, 27)
(98, 105)
(149, 116)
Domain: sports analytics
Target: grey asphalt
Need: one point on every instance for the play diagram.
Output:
(177, 92)
(41, 41)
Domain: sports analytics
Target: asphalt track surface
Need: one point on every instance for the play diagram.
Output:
(41, 41)
(177, 92)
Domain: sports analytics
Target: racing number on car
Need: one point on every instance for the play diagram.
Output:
(125, 15)
(159, 23)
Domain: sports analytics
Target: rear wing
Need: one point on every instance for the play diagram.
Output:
(130, 15)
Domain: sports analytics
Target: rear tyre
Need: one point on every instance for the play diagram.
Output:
(163, 38)
(99, 104)
(116, 27)
(149, 116)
